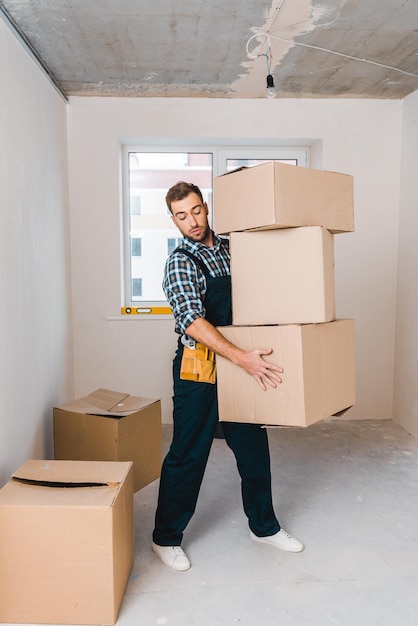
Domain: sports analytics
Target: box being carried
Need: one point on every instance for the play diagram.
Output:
(282, 276)
(279, 195)
(111, 426)
(67, 542)
(318, 379)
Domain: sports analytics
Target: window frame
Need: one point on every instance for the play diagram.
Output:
(220, 154)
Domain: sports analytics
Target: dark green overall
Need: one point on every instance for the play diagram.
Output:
(195, 420)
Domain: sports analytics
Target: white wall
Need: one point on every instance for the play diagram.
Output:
(357, 137)
(35, 326)
(405, 408)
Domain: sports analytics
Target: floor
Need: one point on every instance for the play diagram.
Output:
(347, 489)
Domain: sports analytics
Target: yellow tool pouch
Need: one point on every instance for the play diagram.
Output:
(198, 364)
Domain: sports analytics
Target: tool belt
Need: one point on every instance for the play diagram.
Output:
(198, 364)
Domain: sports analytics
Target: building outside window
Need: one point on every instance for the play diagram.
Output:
(172, 243)
(136, 246)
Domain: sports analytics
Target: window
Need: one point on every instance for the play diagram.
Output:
(149, 233)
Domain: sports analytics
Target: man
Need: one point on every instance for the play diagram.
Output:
(197, 285)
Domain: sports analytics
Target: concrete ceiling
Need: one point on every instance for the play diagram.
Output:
(223, 48)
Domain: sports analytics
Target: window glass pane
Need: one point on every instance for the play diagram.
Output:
(232, 164)
(231, 158)
(150, 175)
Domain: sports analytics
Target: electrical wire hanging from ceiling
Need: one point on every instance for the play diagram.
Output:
(271, 89)
(346, 56)
(268, 35)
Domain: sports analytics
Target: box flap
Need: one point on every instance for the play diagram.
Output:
(74, 473)
(342, 412)
(236, 169)
(338, 414)
(107, 402)
(106, 399)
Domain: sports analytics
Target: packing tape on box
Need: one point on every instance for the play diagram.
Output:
(146, 310)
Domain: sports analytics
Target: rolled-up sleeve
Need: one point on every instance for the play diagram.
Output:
(184, 286)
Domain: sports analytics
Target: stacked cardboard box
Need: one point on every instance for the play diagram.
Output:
(282, 220)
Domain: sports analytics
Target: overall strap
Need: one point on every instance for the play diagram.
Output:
(217, 299)
(194, 258)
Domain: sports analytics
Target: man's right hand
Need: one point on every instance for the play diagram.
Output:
(252, 361)
(264, 372)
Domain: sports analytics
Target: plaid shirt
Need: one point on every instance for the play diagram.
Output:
(184, 283)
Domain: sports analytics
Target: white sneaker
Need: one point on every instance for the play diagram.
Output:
(281, 540)
(172, 556)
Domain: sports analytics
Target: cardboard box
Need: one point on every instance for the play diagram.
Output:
(280, 195)
(282, 276)
(66, 542)
(318, 380)
(111, 426)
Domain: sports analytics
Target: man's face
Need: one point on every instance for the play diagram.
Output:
(191, 218)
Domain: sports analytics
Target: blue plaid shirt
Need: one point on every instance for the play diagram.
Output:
(184, 283)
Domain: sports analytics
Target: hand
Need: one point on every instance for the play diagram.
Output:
(264, 372)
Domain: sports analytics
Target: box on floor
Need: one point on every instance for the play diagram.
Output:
(279, 195)
(282, 276)
(66, 542)
(111, 426)
(318, 379)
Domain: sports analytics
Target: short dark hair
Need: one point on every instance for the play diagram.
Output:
(181, 190)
